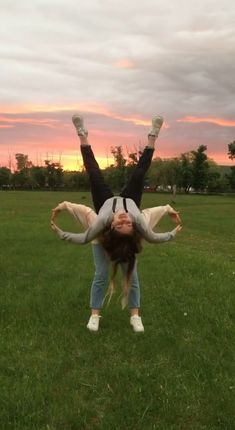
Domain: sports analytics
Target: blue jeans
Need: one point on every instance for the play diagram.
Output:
(101, 278)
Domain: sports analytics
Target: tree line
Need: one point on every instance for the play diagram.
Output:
(191, 171)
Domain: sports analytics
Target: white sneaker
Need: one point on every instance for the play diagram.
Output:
(157, 122)
(78, 123)
(93, 323)
(137, 324)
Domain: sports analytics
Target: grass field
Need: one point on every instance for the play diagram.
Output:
(55, 375)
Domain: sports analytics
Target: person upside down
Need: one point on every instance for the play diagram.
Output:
(117, 227)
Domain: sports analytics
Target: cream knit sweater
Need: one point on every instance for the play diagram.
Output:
(149, 218)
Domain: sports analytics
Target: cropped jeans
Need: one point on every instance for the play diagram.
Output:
(100, 281)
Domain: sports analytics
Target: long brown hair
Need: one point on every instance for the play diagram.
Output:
(121, 248)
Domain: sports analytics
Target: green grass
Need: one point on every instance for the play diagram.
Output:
(55, 375)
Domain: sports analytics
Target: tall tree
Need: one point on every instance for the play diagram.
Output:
(22, 162)
(231, 150)
(54, 174)
(118, 175)
(155, 172)
(77, 180)
(38, 176)
(231, 154)
(200, 168)
(185, 171)
(117, 153)
(20, 179)
(165, 173)
(5, 176)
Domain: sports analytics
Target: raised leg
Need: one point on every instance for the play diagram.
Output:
(135, 185)
(99, 189)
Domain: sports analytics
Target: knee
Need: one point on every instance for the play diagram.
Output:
(135, 280)
(101, 274)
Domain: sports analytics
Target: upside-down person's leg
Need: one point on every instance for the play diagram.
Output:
(134, 300)
(99, 285)
(100, 281)
(99, 189)
(135, 184)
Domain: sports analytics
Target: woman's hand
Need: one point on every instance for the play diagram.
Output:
(55, 213)
(178, 228)
(174, 216)
(54, 226)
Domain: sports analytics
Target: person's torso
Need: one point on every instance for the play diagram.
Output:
(119, 204)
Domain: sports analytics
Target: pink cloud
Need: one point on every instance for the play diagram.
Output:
(48, 122)
(218, 121)
(93, 108)
(124, 64)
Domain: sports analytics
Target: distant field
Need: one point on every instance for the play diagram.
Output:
(55, 375)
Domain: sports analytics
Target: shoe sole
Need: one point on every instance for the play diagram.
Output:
(92, 330)
(157, 122)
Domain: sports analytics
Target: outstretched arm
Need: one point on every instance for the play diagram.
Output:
(154, 215)
(150, 236)
(83, 214)
(81, 238)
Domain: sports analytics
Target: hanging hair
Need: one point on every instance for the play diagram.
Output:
(121, 248)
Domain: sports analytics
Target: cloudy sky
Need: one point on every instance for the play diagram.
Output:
(119, 63)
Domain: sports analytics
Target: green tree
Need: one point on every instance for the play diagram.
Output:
(200, 168)
(117, 173)
(231, 154)
(114, 177)
(231, 150)
(77, 180)
(119, 160)
(20, 179)
(133, 158)
(165, 173)
(185, 172)
(231, 178)
(169, 173)
(54, 174)
(38, 176)
(22, 162)
(155, 172)
(5, 176)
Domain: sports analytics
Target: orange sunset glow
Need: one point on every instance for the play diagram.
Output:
(46, 132)
(217, 121)
(125, 64)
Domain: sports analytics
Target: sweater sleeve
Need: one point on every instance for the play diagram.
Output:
(87, 236)
(149, 235)
(84, 214)
(153, 215)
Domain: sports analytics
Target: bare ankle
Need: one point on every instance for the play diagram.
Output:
(95, 311)
(83, 140)
(151, 141)
(134, 311)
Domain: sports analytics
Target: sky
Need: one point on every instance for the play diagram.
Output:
(118, 63)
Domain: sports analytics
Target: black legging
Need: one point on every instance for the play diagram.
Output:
(100, 190)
